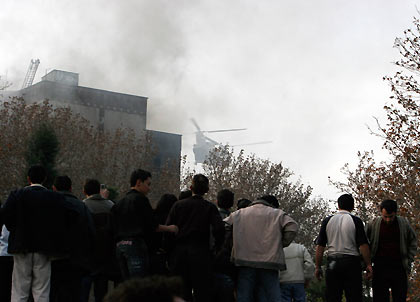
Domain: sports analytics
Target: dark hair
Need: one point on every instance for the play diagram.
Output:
(225, 199)
(150, 289)
(139, 174)
(62, 183)
(200, 184)
(346, 202)
(243, 203)
(92, 186)
(163, 207)
(37, 174)
(185, 194)
(271, 200)
(389, 205)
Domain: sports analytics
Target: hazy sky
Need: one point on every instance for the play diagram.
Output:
(306, 75)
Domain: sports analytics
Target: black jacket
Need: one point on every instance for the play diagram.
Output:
(104, 244)
(194, 216)
(134, 217)
(83, 234)
(39, 221)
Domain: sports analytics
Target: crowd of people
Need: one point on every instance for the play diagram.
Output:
(55, 247)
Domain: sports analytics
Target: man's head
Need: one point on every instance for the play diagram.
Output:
(141, 180)
(389, 209)
(37, 174)
(200, 184)
(271, 200)
(225, 199)
(164, 205)
(151, 289)
(91, 187)
(243, 203)
(346, 202)
(185, 194)
(62, 183)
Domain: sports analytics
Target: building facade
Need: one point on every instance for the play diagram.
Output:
(106, 110)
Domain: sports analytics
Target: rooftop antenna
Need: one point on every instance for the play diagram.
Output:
(30, 75)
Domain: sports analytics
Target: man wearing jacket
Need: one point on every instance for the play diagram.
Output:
(191, 256)
(260, 232)
(38, 221)
(104, 251)
(300, 270)
(134, 225)
(67, 273)
(393, 247)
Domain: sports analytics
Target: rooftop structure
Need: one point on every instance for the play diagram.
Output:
(105, 109)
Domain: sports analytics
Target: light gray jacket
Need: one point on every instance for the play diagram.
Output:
(259, 234)
(300, 266)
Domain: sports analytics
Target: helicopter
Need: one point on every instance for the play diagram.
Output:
(203, 143)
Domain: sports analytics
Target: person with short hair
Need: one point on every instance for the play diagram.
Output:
(161, 241)
(164, 206)
(67, 273)
(224, 269)
(299, 272)
(393, 245)
(344, 237)
(191, 256)
(243, 203)
(39, 222)
(260, 231)
(185, 194)
(150, 289)
(94, 200)
(134, 226)
(104, 248)
(225, 199)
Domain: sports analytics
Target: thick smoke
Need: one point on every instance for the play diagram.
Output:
(304, 75)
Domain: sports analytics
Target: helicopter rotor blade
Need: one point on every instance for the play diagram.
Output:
(256, 143)
(224, 130)
(196, 125)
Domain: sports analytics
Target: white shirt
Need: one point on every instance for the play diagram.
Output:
(4, 241)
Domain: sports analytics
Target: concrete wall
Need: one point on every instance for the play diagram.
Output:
(108, 110)
(166, 155)
(167, 147)
(63, 77)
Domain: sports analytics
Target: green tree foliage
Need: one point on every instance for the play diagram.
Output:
(43, 148)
